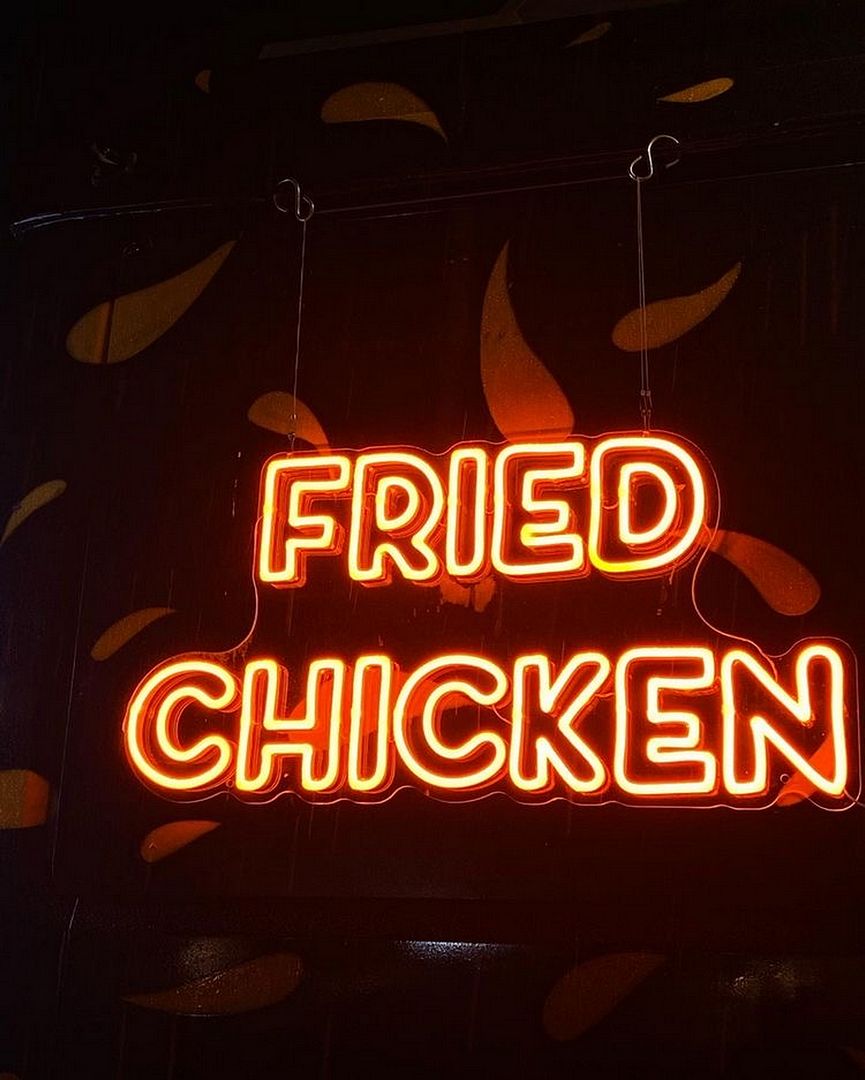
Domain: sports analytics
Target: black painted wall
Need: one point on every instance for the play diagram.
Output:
(430, 935)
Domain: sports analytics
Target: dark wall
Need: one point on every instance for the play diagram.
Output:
(430, 934)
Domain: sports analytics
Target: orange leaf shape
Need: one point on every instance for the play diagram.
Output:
(483, 592)
(166, 839)
(33, 500)
(703, 91)
(379, 101)
(248, 986)
(667, 320)
(116, 636)
(274, 411)
(453, 592)
(525, 401)
(799, 787)
(117, 329)
(593, 34)
(23, 799)
(589, 991)
(202, 81)
(785, 584)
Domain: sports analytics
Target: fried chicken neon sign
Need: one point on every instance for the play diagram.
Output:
(655, 723)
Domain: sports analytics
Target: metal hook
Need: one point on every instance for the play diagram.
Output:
(634, 175)
(304, 207)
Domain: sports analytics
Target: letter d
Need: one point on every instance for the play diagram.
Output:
(649, 504)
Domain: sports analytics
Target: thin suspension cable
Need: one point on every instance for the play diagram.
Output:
(638, 177)
(303, 210)
(645, 388)
(299, 322)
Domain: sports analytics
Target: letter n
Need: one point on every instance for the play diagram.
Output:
(758, 712)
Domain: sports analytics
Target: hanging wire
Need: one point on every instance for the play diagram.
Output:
(639, 178)
(303, 210)
(645, 388)
(299, 320)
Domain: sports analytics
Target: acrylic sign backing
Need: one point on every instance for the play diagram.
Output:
(657, 721)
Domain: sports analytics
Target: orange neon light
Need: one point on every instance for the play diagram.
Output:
(370, 730)
(474, 461)
(427, 685)
(553, 525)
(800, 708)
(263, 712)
(668, 749)
(460, 724)
(311, 532)
(663, 547)
(528, 511)
(372, 510)
(153, 719)
(627, 532)
(548, 760)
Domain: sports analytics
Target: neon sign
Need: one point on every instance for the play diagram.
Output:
(482, 510)
(655, 723)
